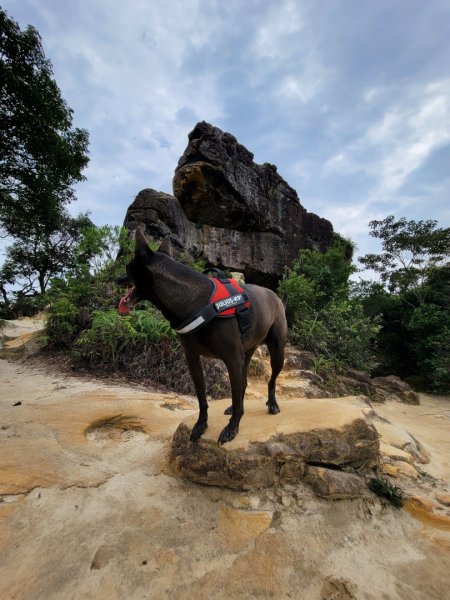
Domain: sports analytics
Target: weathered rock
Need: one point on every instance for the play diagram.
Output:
(102, 557)
(272, 450)
(358, 375)
(298, 359)
(239, 528)
(426, 511)
(443, 498)
(400, 469)
(394, 385)
(217, 183)
(397, 444)
(230, 211)
(358, 386)
(334, 485)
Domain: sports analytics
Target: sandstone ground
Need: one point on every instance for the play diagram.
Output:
(89, 507)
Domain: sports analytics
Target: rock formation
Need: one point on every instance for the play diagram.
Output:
(303, 443)
(229, 211)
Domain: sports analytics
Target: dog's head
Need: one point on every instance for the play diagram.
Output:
(140, 272)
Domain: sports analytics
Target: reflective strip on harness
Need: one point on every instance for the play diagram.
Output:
(192, 325)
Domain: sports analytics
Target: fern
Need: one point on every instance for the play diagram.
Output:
(384, 488)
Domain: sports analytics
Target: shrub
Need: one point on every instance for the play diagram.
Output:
(429, 327)
(340, 332)
(142, 347)
(61, 326)
(322, 316)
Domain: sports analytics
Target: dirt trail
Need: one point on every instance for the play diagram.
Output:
(89, 509)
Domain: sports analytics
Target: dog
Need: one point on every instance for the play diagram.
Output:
(180, 293)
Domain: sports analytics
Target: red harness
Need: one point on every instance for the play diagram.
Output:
(221, 292)
(227, 300)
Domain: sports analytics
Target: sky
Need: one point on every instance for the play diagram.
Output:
(349, 98)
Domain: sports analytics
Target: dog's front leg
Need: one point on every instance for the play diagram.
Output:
(236, 372)
(196, 371)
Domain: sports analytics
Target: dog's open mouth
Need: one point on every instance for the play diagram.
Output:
(126, 302)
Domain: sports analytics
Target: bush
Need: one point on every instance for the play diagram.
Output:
(323, 319)
(61, 326)
(142, 347)
(88, 287)
(340, 332)
(429, 328)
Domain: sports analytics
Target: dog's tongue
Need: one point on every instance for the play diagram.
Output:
(123, 308)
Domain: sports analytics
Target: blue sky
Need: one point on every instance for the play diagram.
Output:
(350, 99)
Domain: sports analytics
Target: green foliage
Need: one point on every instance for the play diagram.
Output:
(412, 299)
(410, 250)
(111, 335)
(317, 277)
(382, 487)
(198, 265)
(323, 318)
(61, 326)
(340, 332)
(42, 156)
(429, 329)
(31, 262)
(89, 285)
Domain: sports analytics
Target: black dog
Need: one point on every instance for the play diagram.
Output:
(180, 292)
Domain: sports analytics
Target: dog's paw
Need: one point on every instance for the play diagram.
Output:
(273, 408)
(228, 434)
(198, 430)
(228, 411)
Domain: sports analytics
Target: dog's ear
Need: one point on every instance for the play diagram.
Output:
(142, 248)
(166, 247)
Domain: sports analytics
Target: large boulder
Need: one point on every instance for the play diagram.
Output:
(229, 211)
(286, 448)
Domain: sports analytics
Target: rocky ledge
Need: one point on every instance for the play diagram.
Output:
(321, 442)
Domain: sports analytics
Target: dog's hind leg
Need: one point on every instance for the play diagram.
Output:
(275, 345)
(196, 371)
(247, 359)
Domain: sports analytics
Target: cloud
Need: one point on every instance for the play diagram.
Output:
(352, 104)
(273, 37)
(399, 142)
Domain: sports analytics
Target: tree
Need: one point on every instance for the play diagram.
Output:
(41, 157)
(413, 299)
(411, 251)
(32, 262)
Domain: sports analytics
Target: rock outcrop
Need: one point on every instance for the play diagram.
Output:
(229, 211)
(377, 388)
(311, 441)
